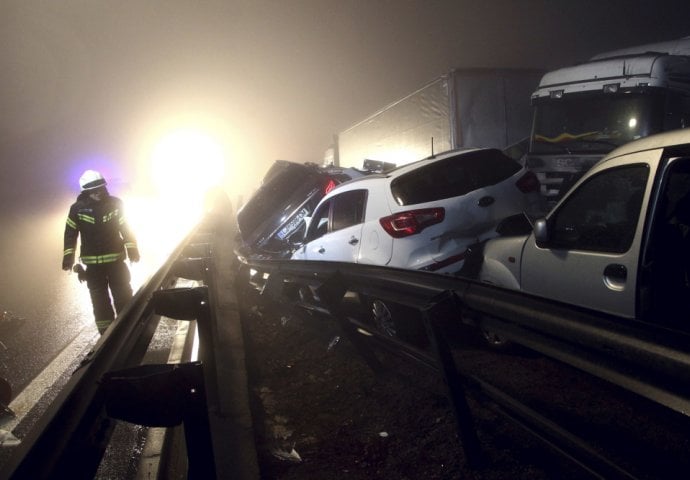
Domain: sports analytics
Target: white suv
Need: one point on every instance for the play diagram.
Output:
(422, 215)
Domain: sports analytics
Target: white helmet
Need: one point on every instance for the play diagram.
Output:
(91, 179)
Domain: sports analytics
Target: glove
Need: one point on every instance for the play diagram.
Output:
(81, 273)
(67, 263)
(133, 254)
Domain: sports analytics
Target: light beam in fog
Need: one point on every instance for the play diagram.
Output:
(184, 163)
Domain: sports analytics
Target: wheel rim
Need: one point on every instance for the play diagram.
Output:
(383, 319)
(304, 294)
(494, 339)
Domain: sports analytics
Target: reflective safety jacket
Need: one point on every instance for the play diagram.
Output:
(105, 235)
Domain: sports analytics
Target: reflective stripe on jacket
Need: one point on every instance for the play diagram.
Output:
(101, 228)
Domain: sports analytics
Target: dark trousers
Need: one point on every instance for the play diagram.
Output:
(103, 280)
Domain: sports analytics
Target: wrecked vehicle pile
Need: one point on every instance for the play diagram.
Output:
(273, 219)
(322, 408)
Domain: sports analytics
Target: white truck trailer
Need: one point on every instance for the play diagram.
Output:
(583, 112)
(463, 108)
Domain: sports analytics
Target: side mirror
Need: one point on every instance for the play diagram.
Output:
(541, 232)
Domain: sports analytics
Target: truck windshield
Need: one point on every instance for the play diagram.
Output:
(595, 123)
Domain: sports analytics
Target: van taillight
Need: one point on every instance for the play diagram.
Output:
(329, 186)
(528, 183)
(408, 223)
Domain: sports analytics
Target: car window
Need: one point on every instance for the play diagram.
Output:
(348, 209)
(453, 176)
(319, 221)
(338, 212)
(667, 256)
(602, 214)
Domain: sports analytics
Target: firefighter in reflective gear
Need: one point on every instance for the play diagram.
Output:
(106, 241)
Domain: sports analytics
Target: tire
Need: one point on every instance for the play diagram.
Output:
(382, 318)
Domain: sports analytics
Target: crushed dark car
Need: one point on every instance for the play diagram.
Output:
(273, 219)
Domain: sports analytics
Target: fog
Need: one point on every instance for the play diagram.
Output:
(268, 79)
(98, 84)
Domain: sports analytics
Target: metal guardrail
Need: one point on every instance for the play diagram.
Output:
(69, 439)
(645, 359)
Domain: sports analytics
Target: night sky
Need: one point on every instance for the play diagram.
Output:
(85, 79)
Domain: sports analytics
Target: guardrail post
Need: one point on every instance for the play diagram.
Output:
(165, 396)
(197, 250)
(190, 269)
(193, 304)
(440, 307)
(331, 292)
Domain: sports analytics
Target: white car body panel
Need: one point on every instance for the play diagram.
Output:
(573, 276)
(435, 243)
(502, 257)
(377, 245)
(343, 247)
(577, 277)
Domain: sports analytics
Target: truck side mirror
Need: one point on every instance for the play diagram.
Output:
(541, 232)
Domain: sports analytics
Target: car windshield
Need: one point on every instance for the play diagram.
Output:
(595, 123)
(453, 176)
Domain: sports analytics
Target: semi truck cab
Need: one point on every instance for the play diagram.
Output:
(583, 112)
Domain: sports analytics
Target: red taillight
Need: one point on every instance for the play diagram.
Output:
(408, 223)
(528, 183)
(329, 186)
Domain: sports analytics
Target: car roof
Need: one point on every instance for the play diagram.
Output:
(431, 159)
(357, 182)
(652, 142)
(363, 182)
(413, 165)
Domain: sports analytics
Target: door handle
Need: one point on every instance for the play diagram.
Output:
(321, 250)
(486, 201)
(353, 241)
